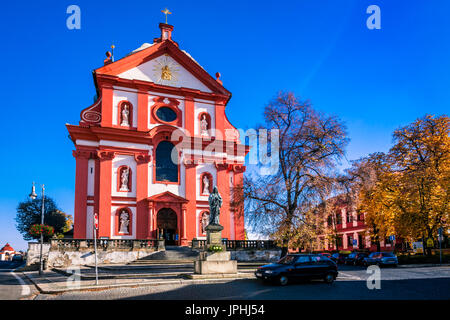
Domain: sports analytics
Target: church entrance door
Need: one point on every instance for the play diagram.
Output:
(167, 226)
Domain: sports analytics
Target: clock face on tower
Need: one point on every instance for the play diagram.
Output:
(165, 71)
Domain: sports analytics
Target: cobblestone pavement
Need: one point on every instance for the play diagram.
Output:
(396, 283)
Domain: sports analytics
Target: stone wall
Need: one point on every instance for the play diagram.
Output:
(256, 255)
(58, 258)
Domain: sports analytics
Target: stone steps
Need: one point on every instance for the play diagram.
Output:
(172, 253)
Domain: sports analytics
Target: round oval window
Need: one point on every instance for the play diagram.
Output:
(166, 114)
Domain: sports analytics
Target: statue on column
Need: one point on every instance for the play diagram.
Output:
(124, 222)
(215, 202)
(125, 113)
(204, 126)
(124, 179)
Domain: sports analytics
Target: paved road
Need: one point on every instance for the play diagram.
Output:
(13, 286)
(396, 283)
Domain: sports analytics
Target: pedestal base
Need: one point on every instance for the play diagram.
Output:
(215, 267)
(215, 262)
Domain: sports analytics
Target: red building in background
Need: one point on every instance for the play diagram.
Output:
(347, 231)
(150, 149)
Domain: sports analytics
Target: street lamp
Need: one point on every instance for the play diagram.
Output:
(33, 196)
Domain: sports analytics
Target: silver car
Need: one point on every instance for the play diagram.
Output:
(381, 259)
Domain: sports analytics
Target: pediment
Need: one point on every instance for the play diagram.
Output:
(164, 64)
(167, 197)
(166, 71)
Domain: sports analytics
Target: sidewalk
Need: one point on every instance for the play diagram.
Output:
(424, 265)
(53, 282)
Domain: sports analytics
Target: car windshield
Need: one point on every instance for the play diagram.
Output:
(373, 254)
(287, 260)
(388, 254)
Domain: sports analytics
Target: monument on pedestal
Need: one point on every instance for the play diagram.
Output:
(215, 259)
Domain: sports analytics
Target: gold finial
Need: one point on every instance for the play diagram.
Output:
(166, 12)
(112, 52)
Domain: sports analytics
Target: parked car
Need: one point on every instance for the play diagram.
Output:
(17, 257)
(297, 267)
(326, 254)
(359, 259)
(356, 258)
(381, 259)
(339, 258)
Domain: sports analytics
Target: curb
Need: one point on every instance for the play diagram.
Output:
(129, 285)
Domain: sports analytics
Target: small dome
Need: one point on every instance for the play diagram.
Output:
(7, 247)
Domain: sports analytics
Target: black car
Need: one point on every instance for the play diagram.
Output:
(339, 258)
(356, 258)
(299, 267)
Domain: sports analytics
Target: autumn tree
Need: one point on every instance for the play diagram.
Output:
(421, 160)
(310, 145)
(411, 193)
(364, 193)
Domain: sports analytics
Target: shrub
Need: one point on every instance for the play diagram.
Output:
(215, 248)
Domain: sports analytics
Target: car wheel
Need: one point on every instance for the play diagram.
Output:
(283, 280)
(329, 278)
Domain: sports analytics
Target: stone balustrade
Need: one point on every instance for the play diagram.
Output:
(239, 244)
(105, 244)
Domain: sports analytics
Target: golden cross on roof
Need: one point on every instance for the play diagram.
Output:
(166, 12)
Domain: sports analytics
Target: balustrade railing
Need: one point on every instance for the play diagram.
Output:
(239, 244)
(105, 244)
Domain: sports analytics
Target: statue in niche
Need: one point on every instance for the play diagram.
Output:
(124, 222)
(125, 113)
(205, 184)
(204, 126)
(205, 221)
(215, 202)
(124, 179)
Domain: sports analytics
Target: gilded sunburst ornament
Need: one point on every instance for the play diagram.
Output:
(165, 71)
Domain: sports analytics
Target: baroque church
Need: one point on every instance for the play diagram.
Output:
(152, 147)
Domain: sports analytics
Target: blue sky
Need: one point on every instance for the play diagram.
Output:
(374, 80)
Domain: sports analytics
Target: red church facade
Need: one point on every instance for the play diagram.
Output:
(150, 149)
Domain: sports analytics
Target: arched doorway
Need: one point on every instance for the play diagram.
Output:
(166, 222)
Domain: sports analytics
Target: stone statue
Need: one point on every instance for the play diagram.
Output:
(204, 126)
(124, 179)
(125, 113)
(124, 222)
(215, 202)
(205, 221)
(205, 184)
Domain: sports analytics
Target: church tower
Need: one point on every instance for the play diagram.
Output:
(151, 148)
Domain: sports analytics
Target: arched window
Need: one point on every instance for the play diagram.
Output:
(166, 169)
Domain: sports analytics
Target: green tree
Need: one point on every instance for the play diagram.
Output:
(29, 213)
